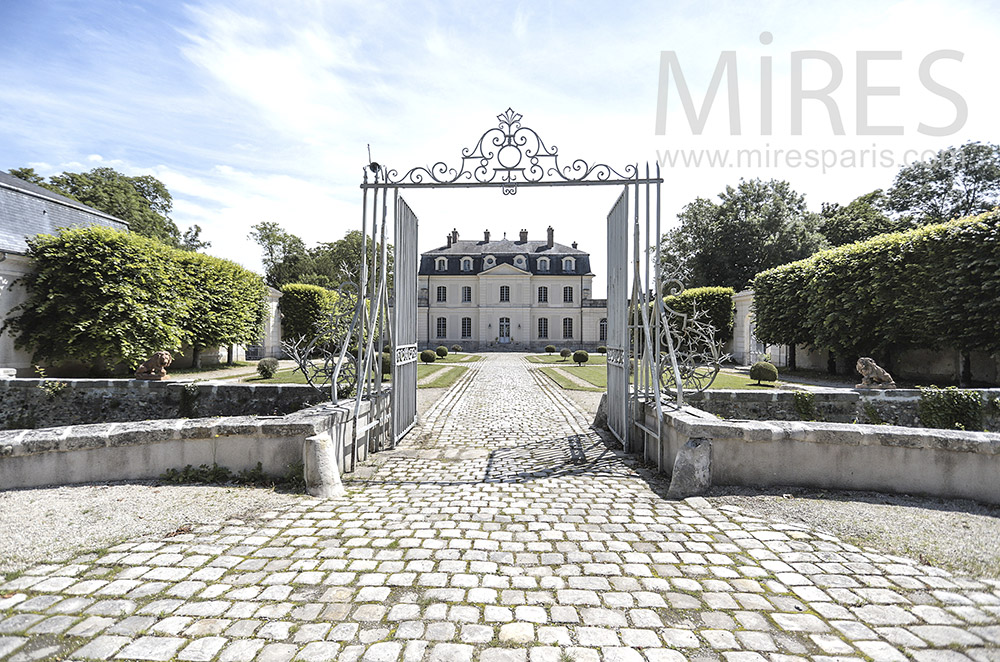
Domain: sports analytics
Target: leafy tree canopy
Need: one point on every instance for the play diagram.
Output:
(143, 202)
(754, 226)
(957, 182)
(863, 218)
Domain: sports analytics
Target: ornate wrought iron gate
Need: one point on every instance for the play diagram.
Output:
(404, 322)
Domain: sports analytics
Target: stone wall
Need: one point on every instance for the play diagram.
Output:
(943, 463)
(38, 403)
(891, 406)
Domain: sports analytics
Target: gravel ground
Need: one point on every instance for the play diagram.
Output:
(54, 524)
(960, 535)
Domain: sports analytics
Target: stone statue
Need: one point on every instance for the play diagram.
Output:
(872, 376)
(155, 367)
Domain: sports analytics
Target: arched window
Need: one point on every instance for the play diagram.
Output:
(466, 327)
(466, 264)
(441, 264)
(567, 294)
(543, 264)
(442, 294)
(569, 264)
(543, 328)
(567, 328)
(466, 294)
(504, 293)
(519, 261)
(543, 294)
(604, 329)
(442, 327)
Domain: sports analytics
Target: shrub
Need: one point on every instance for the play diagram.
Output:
(550, 348)
(456, 348)
(602, 350)
(920, 288)
(267, 367)
(580, 357)
(763, 372)
(441, 351)
(303, 309)
(950, 408)
(385, 359)
(717, 302)
(565, 352)
(428, 356)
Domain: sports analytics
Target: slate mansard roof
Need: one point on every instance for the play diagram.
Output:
(504, 250)
(27, 209)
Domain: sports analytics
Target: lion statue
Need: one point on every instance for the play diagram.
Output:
(155, 367)
(872, 376)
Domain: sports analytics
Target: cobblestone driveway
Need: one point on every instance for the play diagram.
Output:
(502, 529)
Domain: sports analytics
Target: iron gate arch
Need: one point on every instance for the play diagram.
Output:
(651, 356)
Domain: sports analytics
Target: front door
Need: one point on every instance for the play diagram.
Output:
(504, 330)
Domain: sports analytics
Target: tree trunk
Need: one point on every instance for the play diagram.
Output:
(966, 377)
(229, 355)
(831, 363)
(791, 358)
(196, 357)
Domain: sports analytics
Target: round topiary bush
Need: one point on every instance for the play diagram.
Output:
(441, 351)
(763, 372)
(580, 357)
(386, 361)
(428, 356)
(550, 348)
(456, 348)
(267, 367)
(602, 350)
(565, 352)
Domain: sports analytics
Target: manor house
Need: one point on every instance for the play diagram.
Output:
(504, 294)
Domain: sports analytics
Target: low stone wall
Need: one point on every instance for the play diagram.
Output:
(320, 439)
(943, 463)
(40, 403)
(892, 406)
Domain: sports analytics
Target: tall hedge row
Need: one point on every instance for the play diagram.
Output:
(717, 301)
(935, 286)
(304, 308)
(107, 297)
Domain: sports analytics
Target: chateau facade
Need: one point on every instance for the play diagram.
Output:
(504, 294)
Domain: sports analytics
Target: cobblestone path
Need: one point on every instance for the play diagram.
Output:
(501, 530)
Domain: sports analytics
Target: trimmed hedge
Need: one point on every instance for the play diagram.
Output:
(934, 286)
(717, 301)
(303, 309)
(111, 298)
(441, 351)
(580, 357)
(762, 371)
(428, 356)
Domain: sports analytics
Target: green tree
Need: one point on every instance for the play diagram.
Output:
(956, 182)
(283, 253)
(754, 226)
(863, 218)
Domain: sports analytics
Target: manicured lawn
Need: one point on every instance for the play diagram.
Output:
(729, 380)
(213, 368)
(593, 374)
(461, 357)
(595, 359)
(445, 380)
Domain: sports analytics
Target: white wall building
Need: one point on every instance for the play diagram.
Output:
(504, 294)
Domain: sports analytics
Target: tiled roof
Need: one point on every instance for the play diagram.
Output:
(27, 209)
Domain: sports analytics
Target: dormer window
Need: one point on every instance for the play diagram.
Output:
(569, 265)
(489, 261)
(519, 261)
(441, 264)
(543, 264)
(466, 264)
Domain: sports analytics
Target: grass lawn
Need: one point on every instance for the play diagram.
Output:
(729, 380)
(595, 359)
(442, 381)
(595, 375)
(252, 365)
(452, 357)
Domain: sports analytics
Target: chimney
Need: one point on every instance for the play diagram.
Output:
(524, 236)
(449, 240)
(454, 236)
(486, 236)
(551, 241)
(574, 244)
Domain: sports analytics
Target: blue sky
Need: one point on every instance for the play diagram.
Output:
(261, 111)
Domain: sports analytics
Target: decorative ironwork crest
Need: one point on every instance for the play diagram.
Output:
(506, 156)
